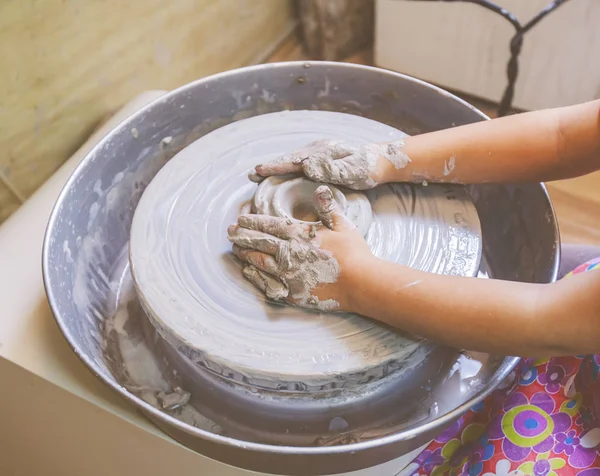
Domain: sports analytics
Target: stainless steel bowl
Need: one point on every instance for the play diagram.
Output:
(89, 231)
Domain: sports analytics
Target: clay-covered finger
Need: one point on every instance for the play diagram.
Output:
(330, 148)
(261, 261)
(325, 205)
(255, 177)
(329, 211)
(239, 253)
(321, 170)
(272, 287)
(338, 172)
(288, 164)
(341, 151)
(256, 240)
(280, 227)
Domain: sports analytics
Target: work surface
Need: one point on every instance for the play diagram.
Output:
(577, 201)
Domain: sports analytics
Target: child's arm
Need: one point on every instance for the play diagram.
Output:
(537, 146)
(501, 317)
(494, 316)
(488, 315)
(531, 147)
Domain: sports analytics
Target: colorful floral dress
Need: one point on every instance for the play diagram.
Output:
(545, 422)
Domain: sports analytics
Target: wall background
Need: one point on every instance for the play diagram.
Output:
(67, 64)
(465, 47)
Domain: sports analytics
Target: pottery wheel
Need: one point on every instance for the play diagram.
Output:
(193, 290)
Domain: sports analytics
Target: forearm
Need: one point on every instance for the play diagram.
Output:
(531, 147)
(498, 317)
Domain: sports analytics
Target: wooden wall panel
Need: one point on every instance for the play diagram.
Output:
(9, 202)
(66, 64)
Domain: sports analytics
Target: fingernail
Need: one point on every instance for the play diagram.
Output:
(324, 192)
(255, 177)
(231, 229)
(324, 199)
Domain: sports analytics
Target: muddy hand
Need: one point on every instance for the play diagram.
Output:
(359, 167)
(287, 260)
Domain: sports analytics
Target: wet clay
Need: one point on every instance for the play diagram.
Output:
(192, 286)
(292, 197)
(352, 165)
(283, 258)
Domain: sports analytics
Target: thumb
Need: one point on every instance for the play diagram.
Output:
(329, 211)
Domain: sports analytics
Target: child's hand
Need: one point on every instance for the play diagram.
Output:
(310, 266)
(358, 167)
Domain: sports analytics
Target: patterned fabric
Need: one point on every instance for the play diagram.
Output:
(585, 267)
(544, 422)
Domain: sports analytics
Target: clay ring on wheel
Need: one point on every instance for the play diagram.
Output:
(292, 198)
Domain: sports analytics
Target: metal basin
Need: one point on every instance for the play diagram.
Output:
(88, 235)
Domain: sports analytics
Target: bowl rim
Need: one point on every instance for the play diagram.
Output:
(404, 435)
